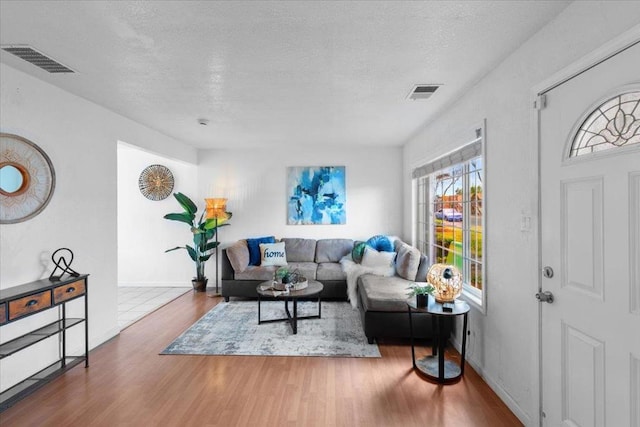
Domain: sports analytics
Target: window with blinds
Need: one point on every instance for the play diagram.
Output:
(450, 213)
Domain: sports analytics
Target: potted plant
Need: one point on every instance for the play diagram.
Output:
(421, 293)
(204, 231)
(294, 279)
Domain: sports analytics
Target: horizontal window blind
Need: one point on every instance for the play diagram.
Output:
(469, 151)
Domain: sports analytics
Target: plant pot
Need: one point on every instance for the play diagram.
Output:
(200, 285)
(421, 300)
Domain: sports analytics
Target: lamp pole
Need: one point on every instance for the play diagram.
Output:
(216, 208)
(217, 263)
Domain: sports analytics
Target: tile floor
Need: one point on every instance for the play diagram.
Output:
(136, 302)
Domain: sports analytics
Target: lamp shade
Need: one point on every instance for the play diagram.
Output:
(447, 281)
(217, 208)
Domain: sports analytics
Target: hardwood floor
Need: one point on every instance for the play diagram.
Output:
(129, 384)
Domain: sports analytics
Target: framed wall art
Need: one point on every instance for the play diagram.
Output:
(316, 195)
(27, 179)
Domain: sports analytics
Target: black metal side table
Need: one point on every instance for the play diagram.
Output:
(436, 366)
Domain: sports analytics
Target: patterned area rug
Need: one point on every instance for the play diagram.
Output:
(231, 328)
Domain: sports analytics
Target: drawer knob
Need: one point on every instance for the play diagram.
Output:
(31, 303)
(71, 289)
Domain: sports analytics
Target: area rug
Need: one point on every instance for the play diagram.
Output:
(232, 328)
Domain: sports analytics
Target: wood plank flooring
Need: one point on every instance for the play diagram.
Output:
(129, 384)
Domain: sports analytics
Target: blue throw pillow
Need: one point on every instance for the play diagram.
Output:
(254, 248)
(380, 243)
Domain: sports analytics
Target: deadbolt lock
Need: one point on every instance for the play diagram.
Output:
(547, 272)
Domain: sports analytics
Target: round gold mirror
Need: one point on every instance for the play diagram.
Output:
(27, 179)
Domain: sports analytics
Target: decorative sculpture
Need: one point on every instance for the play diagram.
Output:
(62, 264)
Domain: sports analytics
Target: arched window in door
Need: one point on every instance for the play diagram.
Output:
(614, 123)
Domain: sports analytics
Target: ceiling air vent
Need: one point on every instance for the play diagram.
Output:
(422, 91)
(38, 59)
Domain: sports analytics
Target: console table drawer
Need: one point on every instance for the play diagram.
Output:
(68, 291)
(30, 304)
(3, 313)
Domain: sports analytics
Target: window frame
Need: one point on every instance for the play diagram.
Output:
(424, 215)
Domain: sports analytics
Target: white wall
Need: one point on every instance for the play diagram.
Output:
(254, 182)
(80, 138)
(143, 233)
(503, 347)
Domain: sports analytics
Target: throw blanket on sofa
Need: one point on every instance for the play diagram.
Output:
(353, 271)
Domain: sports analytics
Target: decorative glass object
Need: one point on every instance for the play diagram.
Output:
(447, 281)
(614, 123)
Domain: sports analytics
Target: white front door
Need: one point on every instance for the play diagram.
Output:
(590, 227)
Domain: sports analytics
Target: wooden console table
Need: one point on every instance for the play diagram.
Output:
(22, 301)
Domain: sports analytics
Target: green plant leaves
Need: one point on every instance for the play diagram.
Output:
(211, 245)
(197, 240)
(192, 253)
(190, 250)
(209, 224)
(421, 290)
(182, 217)
(203, 231)
(186, 203)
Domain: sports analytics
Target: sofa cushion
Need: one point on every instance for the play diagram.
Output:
(254, 248)
(332, 250)
(300, 250)
(307, 269)
(238, 255)
(330, 271)
(407, 260)
(273, 254)
(256, 272)
(379, 260)
(421, 275)
(383, 293)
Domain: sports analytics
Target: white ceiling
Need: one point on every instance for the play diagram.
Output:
(272, 73)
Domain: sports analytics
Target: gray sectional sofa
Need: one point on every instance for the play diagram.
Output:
(315, 259)
(380, 300)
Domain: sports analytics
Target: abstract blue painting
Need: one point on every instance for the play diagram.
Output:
(316, 195)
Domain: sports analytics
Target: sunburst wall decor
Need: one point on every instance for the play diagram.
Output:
(156, 182)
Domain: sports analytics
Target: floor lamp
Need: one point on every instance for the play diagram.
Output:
(217, 209)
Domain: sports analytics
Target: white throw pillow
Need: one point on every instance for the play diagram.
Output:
(273, 254)
(375, 259)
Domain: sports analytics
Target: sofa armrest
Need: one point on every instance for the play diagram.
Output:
(226, 271)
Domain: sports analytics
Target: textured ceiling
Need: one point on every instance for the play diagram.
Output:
(272, 73)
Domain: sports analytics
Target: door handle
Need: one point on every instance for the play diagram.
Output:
(547, 272)
(545, 297)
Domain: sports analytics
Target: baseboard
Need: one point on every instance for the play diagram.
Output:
(95, 342)
(495, 386)
(155, 284)
(111, 333)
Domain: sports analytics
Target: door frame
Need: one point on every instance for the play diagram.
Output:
(595, 57)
